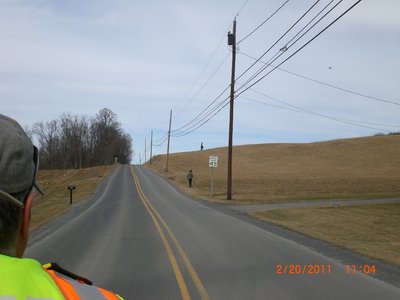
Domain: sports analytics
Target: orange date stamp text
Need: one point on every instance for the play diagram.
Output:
(298, 269)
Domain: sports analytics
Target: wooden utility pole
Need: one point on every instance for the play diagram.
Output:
(145, 150)
(151, 145)
(140, 158)
(169, 138)
(231, 42)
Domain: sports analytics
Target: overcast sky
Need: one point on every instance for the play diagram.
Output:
(143, 58)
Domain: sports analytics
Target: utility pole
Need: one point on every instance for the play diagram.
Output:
(151, 145)
(140, 158)
(231, 42)
(145, 150)
(169, 138)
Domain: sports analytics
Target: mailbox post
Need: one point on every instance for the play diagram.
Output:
(71, 188)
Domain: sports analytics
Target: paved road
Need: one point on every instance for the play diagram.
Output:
(142, 238)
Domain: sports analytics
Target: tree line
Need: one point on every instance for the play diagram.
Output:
(74, 142)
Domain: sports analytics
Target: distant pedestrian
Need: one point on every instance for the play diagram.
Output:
(201, 147)
(190, 178)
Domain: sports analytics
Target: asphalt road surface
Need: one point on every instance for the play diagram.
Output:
(140, 237)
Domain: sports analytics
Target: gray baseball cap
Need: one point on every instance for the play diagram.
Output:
(18, 161)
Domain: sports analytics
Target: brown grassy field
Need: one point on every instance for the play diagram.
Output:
(350, 168)
(56, 199)
(372, 230)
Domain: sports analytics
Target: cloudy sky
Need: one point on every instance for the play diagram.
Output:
(142, 59)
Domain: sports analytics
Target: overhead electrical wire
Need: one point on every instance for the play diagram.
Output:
(242, 7)
(201, 72)
(195, 82)
(269, 104)
(205, 116)
(352, 122)
(289, 44)
(202, 112)
(206, 65)
(160, 140)
(159, 144)
(204, 84)
(307, 111)
(202, 115)
(276, 42)
(205, 120)
(265, 21)
(341, 89)
(301, 48)
(327, 84)
(320, 12)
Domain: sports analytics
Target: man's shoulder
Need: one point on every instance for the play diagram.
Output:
(22, 277)
(80, 285)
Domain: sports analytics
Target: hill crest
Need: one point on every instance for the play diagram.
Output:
(344, 168)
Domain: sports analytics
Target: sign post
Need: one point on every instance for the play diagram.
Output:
(212, 163)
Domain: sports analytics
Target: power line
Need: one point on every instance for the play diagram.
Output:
(210, 77)
(300, 109)
(205, 67)
(243, 6)
(327, 84)
(204, 116)
(321, 11)
(288, 45)
(266, 20)
(269, 104)
(201, 72)
(282, 36)
(302, 47)
(204, 85)
(204, 120)
(164, 139)
(203, 111)
(306, 111)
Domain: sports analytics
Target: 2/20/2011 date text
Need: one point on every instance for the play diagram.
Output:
(297, 269)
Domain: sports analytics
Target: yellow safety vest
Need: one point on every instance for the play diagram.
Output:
(25, 279)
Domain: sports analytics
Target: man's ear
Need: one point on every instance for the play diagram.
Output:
(24, 229)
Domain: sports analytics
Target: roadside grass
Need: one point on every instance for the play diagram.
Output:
(371, 230)
(55, 202)
(269, 173)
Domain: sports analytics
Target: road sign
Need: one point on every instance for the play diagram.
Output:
(213, 161)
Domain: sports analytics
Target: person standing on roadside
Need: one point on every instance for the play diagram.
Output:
(190, 178)
(23, 278)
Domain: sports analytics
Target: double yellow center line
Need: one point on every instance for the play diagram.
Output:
(160, 224)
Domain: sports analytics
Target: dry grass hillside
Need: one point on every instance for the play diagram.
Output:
(56, 199)
(349, 168)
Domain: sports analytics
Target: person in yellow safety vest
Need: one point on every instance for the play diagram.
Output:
(23, 278)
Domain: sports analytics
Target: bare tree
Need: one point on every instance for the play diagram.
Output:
(49, 141)
(75, 141)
